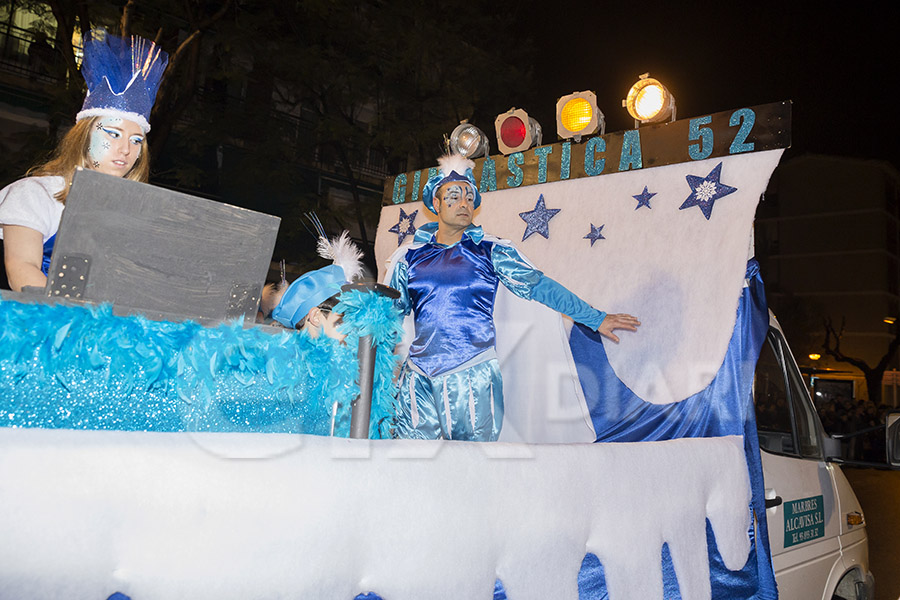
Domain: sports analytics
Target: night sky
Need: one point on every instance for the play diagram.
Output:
(835, 65)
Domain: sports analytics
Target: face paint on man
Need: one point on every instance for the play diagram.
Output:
(455, 203)
(115, 145)
(455, 192)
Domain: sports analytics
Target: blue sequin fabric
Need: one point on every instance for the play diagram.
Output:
(80, 367)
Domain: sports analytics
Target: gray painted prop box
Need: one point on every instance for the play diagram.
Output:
(163, 254)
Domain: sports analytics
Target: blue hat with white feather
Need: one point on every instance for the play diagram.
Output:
(314, 287)
(453, 167)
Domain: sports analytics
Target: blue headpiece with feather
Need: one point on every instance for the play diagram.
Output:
(452, 167)
(314, 287)
(122, 76)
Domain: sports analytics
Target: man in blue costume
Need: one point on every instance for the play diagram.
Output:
(451, 387)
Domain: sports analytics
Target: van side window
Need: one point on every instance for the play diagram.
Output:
(785, 420)
(773, 416)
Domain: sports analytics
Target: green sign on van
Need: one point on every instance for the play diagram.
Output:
(804, 520)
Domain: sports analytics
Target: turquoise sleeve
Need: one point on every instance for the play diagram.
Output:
(527, 282)
(560, 299)
(399, 281)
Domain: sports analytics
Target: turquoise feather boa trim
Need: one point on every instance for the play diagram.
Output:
(85, 368)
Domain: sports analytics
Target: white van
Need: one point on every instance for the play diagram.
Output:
(817, 531)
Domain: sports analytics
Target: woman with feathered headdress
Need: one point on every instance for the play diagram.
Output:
(109, 136)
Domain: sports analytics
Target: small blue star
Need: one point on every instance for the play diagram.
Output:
(644, 198)
(706, 190)
(595, 234)
(399, 229)
(538, 220)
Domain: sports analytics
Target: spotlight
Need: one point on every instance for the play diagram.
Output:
(469, 141)
(649, 101)
(516, 131)
(577, 115)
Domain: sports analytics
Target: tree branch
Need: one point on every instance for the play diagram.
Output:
(833, 348)
(892, 349)
(125, 21)
(84, 19)
(176, 57)
(65, 25)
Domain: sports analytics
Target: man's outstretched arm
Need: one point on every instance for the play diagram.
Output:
(526, 281)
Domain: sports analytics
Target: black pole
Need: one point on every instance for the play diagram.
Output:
(361, 409)
(362, 406)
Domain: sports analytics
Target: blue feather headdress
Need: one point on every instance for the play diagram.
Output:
(122, 77)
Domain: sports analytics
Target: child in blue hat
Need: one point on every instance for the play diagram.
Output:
(307, 304)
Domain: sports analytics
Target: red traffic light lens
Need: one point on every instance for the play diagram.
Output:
(512, 131)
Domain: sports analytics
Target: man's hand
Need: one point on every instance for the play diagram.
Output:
(617, 321)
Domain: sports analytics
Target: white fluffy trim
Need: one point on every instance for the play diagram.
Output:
(112, 112)
(455, 162)
(344, 253)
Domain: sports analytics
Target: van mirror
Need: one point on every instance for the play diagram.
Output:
(892, 441)
(831, 447)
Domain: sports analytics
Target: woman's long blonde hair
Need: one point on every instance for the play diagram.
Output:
(72, 152)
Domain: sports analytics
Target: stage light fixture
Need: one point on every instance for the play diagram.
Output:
(649, 101)
(516, 131)
(577, 115)
(469, 141)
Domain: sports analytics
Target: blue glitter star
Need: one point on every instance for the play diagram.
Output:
(595, 234)
(410, 229)
(538, 220)
(644, 198)
(706, 190)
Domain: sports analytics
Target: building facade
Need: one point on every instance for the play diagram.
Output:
(828, 242)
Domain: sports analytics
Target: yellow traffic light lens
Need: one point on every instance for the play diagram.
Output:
(649, 101)
(576, 114)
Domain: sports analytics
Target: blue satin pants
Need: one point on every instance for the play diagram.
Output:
(461, 405)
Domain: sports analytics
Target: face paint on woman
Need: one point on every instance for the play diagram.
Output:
(115, 145)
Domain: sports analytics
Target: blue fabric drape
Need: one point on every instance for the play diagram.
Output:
(725, 407)
(47, 254)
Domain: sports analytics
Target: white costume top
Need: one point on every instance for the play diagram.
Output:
(30, 202)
